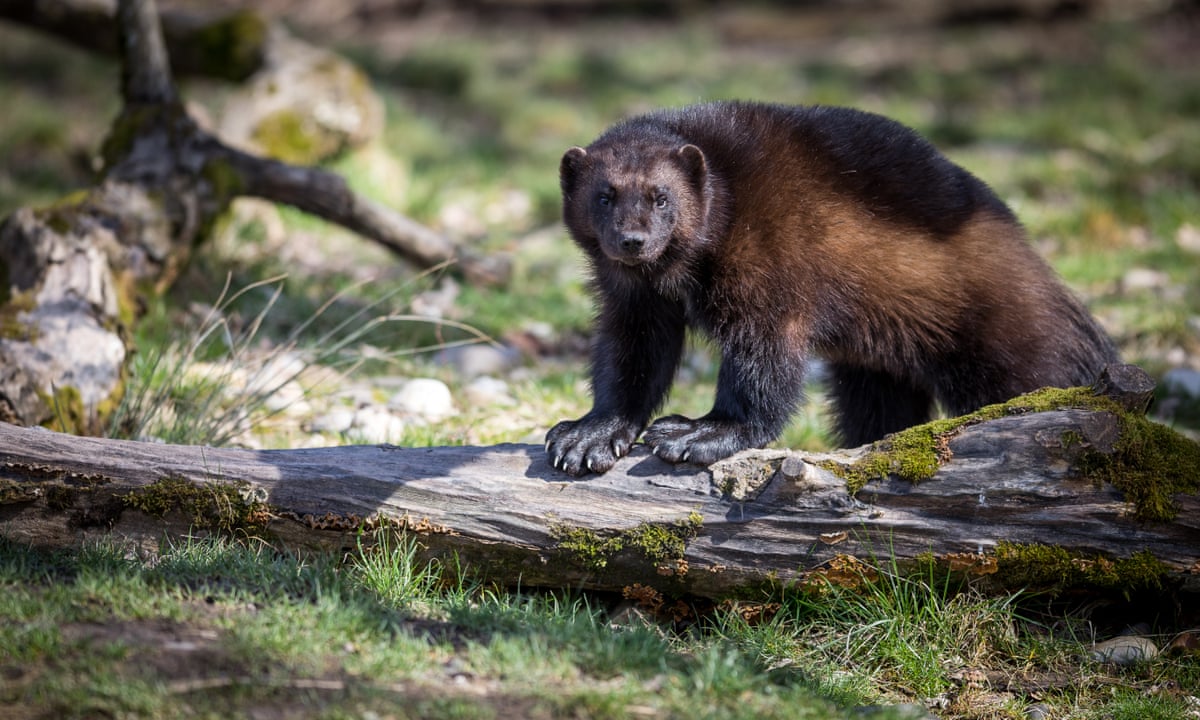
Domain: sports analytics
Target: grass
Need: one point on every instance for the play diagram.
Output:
(212, 627)
(1086, 128)
(206, 627)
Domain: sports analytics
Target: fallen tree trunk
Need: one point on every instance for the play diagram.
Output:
(762, 519)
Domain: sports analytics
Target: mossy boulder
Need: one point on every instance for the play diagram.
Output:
(306, 106)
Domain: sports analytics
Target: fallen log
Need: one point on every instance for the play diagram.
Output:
(1028, 474)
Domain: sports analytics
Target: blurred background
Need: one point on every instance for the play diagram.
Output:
(1083, 115)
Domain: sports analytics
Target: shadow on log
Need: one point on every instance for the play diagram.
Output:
(1024, 478)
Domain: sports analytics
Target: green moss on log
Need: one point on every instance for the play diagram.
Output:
(1052, 569)
(1150, 465)
(916, 453)
(223, 507)
(656, 543)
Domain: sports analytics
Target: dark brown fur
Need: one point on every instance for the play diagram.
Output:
(782, 232)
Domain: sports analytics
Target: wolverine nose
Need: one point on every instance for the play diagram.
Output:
(633, 242)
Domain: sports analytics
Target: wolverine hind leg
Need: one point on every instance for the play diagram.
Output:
(869, 404)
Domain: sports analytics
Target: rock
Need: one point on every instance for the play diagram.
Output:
(288, 398)
(486, 390)
(374, 425)
(474, 360)
(426, 397)
(1037, 711)
(439, 302)
(1140, 279)
(1188, 238)
(278, 369)
(1124, 650)
(305, 106)
(1182, 381)
(742, 477)
(339, 420)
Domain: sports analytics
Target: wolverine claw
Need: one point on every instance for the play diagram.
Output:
(589, 465)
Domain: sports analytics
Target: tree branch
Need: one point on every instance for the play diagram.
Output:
(326, 195)
(145, 70)
(230, 46)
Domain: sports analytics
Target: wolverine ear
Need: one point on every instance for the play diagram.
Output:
(691, 159)
(568, 169)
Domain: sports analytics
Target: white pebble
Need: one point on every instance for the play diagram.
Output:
(488, 391)
(1124, 650)
(426, 397)
(374, 425)
(339, 420)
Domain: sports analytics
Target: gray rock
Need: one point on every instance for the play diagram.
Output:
(425, 397)
(307, 105)
(486, 390)
(339, 420)
(471, 361)
(1138, 279)
(1037, 711)
(1124, 650)
(1182, 381)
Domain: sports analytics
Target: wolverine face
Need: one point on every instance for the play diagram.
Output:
(631, 202)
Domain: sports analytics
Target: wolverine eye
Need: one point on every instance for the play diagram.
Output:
(660, 201)
(604, 199)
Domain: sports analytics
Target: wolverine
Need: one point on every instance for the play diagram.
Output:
(788, 232)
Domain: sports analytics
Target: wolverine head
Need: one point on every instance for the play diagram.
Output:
(634, 203)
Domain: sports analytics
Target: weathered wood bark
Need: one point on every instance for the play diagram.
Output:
(73, 273)
(504, 512)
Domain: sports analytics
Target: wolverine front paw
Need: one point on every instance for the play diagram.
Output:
(590, 444)
(677, 439)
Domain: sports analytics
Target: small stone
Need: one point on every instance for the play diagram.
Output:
(277, 371)
(1138, 279)
(339, 420)
(1037, 711)
(1124, 650)
(486, 390)
(793, 467)
(1182, 381)
(1188, 238)
(289, 398)
(474, 360)
(374, 425)
(427, 397)
(438, 302)
(743, 476)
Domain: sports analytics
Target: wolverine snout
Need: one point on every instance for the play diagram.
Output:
(632, 242)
